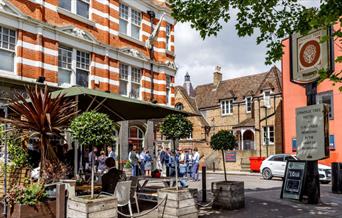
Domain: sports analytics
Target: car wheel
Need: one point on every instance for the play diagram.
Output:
(267, 173)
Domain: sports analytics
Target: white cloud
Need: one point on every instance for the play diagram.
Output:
(237, 56)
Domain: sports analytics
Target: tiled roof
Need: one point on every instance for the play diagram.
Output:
(192, 102)
(249, 122)
(238, 88)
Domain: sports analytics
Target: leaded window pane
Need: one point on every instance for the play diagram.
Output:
(83, 60)
(64, 57)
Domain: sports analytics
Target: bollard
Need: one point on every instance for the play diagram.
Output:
(204, 184)
(214, 167)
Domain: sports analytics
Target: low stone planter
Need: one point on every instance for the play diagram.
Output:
(41, 210)
(179, 204)
(228, 195)
(84, 207)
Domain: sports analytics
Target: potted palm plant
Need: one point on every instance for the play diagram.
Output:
(92, 129)
(227, 194)
(40, 116)
(180, 202)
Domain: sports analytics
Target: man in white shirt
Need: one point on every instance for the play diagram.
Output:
(195, 164)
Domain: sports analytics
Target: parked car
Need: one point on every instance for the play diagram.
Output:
(274, 166)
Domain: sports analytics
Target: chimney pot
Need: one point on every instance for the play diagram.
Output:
(217, 76)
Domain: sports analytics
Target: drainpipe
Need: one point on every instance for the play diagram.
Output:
(5, 109)
(152, 16)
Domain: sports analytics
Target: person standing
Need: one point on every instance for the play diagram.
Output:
(133, 158)
(92, 157)
(182, 168)
(189, 163)
(142, 162)
(148, 163)
(195, 163)
(110, 151)
(102, 159)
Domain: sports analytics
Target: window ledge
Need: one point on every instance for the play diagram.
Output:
(75, 16)
(121, 35)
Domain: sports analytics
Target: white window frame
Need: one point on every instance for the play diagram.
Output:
(251, 104)
(168, 37)
(13, 51)
(267, 133)
(74, 67)
(227, 107)
(130, 23)
(74, 7)
(267, 99)
(129, 81)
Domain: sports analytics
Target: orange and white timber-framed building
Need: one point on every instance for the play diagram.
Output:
(99, 44)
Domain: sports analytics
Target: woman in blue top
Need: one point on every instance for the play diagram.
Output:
(147, 163)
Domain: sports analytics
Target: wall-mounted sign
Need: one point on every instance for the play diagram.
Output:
(312, 130)
(230, 156)
(309, 55)
(294, 180)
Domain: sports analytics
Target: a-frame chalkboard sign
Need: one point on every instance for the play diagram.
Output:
(294, 180)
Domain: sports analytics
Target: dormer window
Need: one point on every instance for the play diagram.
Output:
(248, 101)
(179, 106)
(267, 98)
(227, 107)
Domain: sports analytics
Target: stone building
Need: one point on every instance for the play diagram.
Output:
(98, 44)
(249, 106)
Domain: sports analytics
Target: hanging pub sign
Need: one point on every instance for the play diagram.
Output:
(294, 180)
(309, 55)
(312, 129)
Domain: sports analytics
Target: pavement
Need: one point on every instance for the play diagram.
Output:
(262, 200)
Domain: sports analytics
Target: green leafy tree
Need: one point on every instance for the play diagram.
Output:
(222, 141)
(93, 129)
(176, 126)
(272, 20)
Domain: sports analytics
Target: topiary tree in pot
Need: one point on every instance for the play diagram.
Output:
(228, 194)
(175, 127)
(222, 141)
(92, 129)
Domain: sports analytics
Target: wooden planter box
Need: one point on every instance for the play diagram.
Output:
(228, 195)
(40, 210)
(179, 203)
(84, 207)
(14, 177)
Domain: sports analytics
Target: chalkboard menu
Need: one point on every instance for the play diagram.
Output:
(294, 180)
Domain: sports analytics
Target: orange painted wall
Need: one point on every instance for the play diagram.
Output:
(294, 96)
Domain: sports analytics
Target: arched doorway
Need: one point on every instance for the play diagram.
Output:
(136, 137)
(248, 140)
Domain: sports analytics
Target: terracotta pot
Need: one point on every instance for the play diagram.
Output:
(41, 210)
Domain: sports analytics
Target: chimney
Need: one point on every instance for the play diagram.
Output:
(217, 76)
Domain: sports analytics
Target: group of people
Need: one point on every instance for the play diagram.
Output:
(187, 162)
(99, 160)
(141, 162)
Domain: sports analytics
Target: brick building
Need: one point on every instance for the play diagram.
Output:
(249, 106)
(99, 44)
